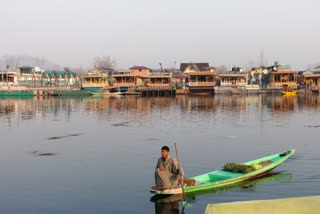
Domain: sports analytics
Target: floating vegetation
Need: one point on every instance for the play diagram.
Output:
(315, 126)
(73, 135)
(60, 137)
(265, 163)
(36, 153)
(55, 138)
(120, 124)
(46, 154)
(240, 168)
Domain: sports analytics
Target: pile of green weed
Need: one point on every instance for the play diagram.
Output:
(240, 168)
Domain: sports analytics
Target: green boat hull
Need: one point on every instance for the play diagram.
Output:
(246, 184)
(221, 178)
(71, 93)
(17, 93)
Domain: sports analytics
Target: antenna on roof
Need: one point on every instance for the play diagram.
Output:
(161, 66)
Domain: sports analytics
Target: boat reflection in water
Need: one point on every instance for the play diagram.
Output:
(165, 204)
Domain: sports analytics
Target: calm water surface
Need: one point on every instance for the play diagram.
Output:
(106, 149)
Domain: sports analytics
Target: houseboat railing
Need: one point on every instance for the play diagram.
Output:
(202, 83)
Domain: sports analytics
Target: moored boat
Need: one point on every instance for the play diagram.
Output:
(109, 87)
(221, 178)
(289, 93)
(106, 93)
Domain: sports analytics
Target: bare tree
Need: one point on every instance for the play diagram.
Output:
(261, 59)
(313, 66)
(250, 65)
(221, 69)
(105, 62)
(79, 70)
(40, 61)
(12, 61)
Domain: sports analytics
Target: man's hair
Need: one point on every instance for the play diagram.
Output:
(165, 148)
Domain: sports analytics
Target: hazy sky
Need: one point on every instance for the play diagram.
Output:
(146, 32)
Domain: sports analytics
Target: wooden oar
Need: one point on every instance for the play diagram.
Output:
(182, 183)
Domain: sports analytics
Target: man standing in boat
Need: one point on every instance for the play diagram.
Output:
(167, 171)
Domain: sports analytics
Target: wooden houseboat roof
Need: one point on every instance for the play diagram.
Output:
(312, 75)
(25, 67)
(200, 66)
(285, 72)
(233, 74)
(178, 75)
(95, 75)
(139, 67)
(159, 76)
(129, 75)
(205, 73)
(124, 75)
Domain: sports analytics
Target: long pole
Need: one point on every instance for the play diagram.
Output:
(177, 154)
(7, 74)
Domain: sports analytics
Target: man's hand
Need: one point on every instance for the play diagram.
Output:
(181, 179)
(161, 169)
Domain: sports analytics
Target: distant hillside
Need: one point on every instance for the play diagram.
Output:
(24, 60)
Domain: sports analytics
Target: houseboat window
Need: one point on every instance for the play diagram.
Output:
(201, 79)
(277, 78)
(291, 77)
(210, 79)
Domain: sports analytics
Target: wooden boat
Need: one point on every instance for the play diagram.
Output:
(289, 93)
(269, 177)
(109, 87)
(199, 93)
(221, 178)
(106, 93)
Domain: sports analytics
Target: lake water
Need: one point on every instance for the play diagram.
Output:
(102, 152)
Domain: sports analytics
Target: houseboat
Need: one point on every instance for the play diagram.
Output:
(95, 79)
(282, 79)
(129, 80)
(34, 81)
(159, 81)
(312, 81)
(260, 75)
(201, 77)
(235, 81)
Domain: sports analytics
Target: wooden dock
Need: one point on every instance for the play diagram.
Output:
(300, 205)
(157, 91)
